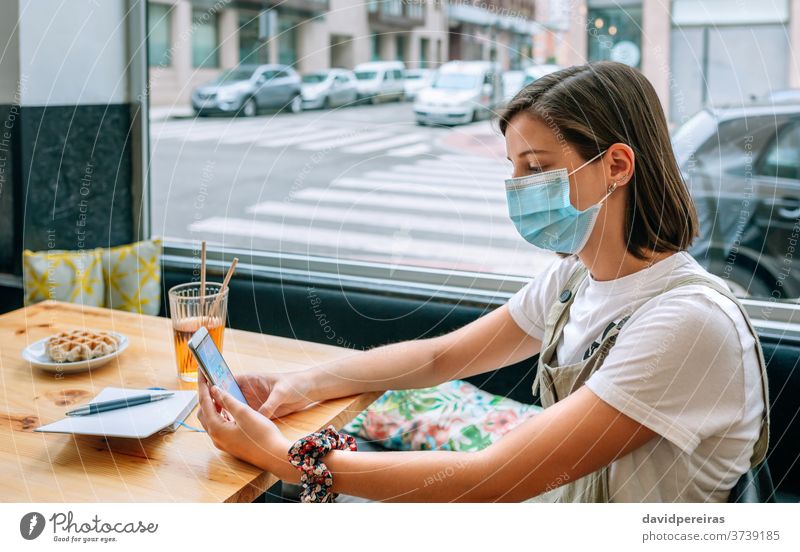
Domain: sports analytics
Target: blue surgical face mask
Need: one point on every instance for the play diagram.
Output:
(539, 206)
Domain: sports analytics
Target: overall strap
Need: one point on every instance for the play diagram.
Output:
(556, 318)
(761, 446)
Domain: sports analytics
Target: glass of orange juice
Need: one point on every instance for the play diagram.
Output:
(189, 310)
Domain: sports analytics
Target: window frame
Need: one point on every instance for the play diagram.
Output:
(792, 124)
(464, 288)
(167, 22)
(214, 24)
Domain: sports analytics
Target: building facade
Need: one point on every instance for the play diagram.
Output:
(695, 52)
(501, 31)
(190, 41)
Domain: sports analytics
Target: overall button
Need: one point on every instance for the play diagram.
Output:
(565, 295)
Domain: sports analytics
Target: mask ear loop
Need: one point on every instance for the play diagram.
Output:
(586, 163)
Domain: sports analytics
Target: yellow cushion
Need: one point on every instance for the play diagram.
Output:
(73, 276)
(132, 276)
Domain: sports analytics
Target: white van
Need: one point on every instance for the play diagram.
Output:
(461, 92)
(378, 81)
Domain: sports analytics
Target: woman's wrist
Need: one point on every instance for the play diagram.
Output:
(275, 460)
(307, 455)
(319, 383)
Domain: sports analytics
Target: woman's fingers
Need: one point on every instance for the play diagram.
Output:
(206, 406)
(271, 405)
(229, 402)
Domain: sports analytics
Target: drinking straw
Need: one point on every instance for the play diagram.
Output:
(202, 282)
(225, 284)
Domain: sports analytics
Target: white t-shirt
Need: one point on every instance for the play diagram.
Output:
(684, 365)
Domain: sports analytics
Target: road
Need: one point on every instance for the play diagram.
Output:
(361, 183)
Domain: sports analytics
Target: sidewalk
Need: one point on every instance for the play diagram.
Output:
(166, 112)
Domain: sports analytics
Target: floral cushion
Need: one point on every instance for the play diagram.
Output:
(455, 415)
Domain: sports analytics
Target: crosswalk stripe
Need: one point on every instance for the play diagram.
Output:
(386, 144)
(445, 207)
(472, 159)
(296, 138)
(444, 164)
(433, 179)
(250, 135)
(230, 129)
(488, 193)
(212, 135)
(409, 151)
(398, 246)
(346, 215)
(343, 141)
(232, 136)
(271, 133)
(170, 132)
(451, 171)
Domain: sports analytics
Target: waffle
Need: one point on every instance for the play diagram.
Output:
(78, 345)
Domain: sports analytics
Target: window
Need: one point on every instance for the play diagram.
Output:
(287, 40)
(375, 42)
(204, 39)
(393, 7)
(159, 53)
(615, 33)
(253, 48)
(424, 54)
(400, 47)
(743, 179)
(782, 158)
(344, 176)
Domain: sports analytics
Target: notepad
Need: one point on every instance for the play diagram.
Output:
(138, 421)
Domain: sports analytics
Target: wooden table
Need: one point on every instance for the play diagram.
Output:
(183, 466)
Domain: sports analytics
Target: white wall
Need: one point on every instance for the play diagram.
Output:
(72, 52)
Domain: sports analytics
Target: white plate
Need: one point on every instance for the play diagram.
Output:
(36, 355)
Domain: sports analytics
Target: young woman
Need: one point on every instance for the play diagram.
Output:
(650, 373)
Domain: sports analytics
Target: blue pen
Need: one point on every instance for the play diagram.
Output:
(95, 408)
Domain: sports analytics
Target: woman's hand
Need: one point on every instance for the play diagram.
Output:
(275, 395)
(239, 430)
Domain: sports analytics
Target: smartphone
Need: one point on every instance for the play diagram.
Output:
(212, 364)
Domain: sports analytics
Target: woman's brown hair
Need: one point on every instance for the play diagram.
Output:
(598, 104)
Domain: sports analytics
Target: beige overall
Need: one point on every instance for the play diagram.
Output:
(553, 383)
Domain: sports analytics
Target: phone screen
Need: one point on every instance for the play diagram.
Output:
(209, 356)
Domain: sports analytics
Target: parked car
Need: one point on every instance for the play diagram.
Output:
(331, 88)
(248, 88)
(786, 96)
(380, 80)
(743, 168)
(538, 71)
(461, 92)
(415, 80)
(513, 82)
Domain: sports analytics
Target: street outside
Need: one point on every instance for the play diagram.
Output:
(361, 183)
